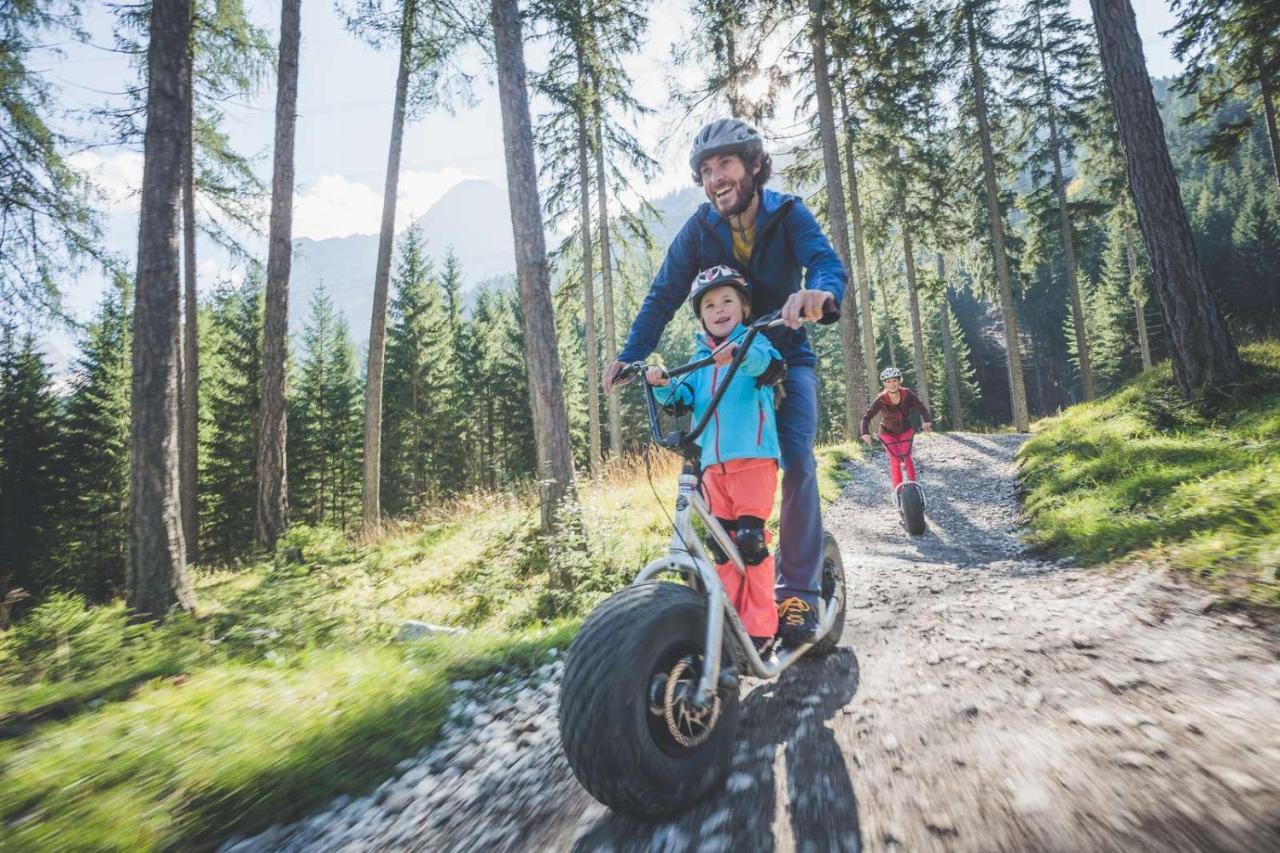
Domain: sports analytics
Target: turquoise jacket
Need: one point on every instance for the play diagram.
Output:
(744, 425)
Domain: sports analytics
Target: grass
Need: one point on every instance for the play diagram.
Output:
(286, 688)
(1144, 472)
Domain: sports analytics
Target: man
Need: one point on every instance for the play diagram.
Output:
(771, 237)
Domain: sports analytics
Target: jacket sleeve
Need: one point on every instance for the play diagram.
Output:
(823, 268)
(871, 413)
(679, 391)
(666, 295)
(759, 357)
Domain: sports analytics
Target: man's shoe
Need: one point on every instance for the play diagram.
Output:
(797, 622)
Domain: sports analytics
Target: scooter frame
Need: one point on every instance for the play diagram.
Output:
(686, 554)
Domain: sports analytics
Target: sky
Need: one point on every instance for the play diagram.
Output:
(345, 100)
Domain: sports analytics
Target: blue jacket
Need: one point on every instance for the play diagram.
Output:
(787, 239)
(744, 425)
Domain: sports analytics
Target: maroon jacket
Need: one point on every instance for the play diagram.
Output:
(896, 420)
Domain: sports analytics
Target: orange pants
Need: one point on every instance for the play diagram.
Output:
(737, 488)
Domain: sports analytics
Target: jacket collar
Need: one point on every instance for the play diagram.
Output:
(770, 201)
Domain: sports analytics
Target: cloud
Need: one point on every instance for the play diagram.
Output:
(117, 176)
(333, 206)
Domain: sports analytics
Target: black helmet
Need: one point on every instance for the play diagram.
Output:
(713, 277)
(725, 136)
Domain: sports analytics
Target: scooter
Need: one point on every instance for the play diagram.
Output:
(649, 698)
(908, 495)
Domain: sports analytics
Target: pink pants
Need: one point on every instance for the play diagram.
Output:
(737, 488)
(899, 447)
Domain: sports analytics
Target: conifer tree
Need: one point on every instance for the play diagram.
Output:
(232, 406)
(725, 43)
(326, 421)
(28, 446)
(94, 455)
(1050, 50)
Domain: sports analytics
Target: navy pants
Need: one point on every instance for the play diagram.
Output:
(800, 549)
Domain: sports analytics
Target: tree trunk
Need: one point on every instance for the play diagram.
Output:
(731, 59)
(913, 303)
(588, 277)
(1017, 388)
(157, 577)
(606, 274)
(860, 256)
(888, 322)
(188, 446)
(546, 393)
(1139, 293)
(273, 501)
(1204, 354)
(371, 505)
(1269, 115)
(1064, 224)
(853, 368)
(949, 348)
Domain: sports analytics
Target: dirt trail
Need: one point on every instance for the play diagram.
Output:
(982, 700)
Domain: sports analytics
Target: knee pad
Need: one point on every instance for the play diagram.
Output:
(751, 541)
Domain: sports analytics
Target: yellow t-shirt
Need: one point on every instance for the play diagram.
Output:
(742, 243)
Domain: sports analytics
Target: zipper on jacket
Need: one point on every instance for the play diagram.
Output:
(760, 425)
(715, 416)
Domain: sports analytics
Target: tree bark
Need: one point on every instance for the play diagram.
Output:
(1204, 354)
(949, 347)
(546, 392)
(913, 303)
(1064, 223)
(273, 501)
(1269, 116)
(157, 577)
(606, 274)
(888, 322)
(371, 504)
(1139, 293)
(860, 256)
(190, 406)
(588, 277)
(853, 368)
(1017, 387)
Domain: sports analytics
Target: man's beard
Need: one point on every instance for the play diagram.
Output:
(746, 191)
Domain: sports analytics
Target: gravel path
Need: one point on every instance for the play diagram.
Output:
(982, 701)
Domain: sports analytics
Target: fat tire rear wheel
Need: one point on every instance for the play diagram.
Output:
(911, 504)
(622, 752)
(832, 574)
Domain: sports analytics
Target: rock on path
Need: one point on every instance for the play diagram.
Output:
(983, 700)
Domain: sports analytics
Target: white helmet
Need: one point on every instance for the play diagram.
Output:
(890, 373)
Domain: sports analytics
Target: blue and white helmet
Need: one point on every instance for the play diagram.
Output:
(890, 373)
(713, 277)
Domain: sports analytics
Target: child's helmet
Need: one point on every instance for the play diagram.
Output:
(890, 373)
(715, 277)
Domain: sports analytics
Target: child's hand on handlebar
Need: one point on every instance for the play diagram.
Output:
(655, 375)
(724, 355)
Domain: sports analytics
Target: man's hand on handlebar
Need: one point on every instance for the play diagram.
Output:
(866, 439)
(928, 426)
(609, 379)
(805, 306)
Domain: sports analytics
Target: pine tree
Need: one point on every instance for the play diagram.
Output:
(94, 455)
(325, 438)
(1110, 313)
(28, 444)
(229, 434)
(725, 41)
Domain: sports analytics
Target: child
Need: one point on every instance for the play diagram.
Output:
(896, 403)
(740, 445)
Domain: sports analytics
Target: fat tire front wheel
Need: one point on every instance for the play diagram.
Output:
(614, 734)
(911, 504)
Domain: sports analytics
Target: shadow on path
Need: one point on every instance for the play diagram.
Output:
(791, 713)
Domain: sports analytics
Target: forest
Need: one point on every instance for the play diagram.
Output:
(987, 171)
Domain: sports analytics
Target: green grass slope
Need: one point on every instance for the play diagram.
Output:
(286, 688)
(1144, 471)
